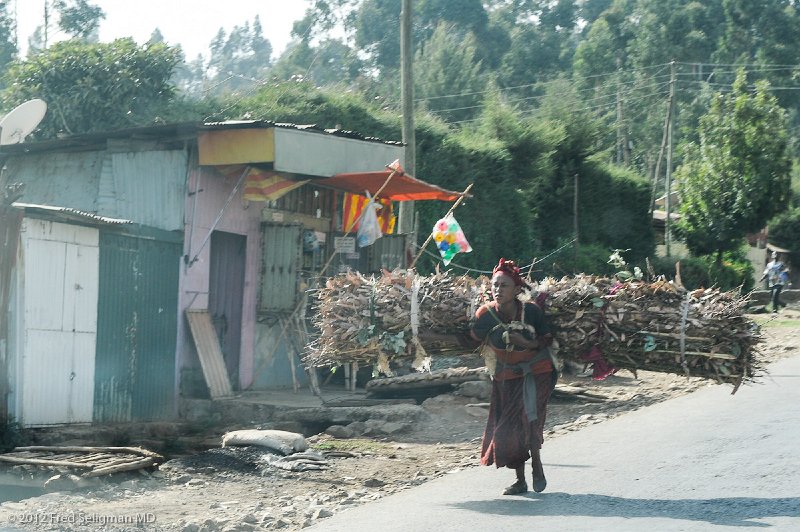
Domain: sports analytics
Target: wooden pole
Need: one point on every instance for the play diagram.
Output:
(575, 217)
(430, 236)
(405, 218)
(661, 151)
(668, 200)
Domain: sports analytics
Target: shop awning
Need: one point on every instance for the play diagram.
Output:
(402, 187)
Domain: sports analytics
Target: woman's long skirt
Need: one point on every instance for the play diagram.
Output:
(509, 436)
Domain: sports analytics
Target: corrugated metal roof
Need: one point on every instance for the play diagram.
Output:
(68, 214)
(177, 131)
(234, 124)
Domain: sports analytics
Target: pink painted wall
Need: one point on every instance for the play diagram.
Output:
(239, 217)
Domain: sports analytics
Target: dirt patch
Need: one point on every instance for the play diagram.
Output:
(238, 489)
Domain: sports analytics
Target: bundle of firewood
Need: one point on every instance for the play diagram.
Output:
(654, 326)
(361, 318)
(611, 324)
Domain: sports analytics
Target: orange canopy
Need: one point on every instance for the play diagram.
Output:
(402, 187)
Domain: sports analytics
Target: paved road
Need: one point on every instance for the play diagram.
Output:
(706, 461)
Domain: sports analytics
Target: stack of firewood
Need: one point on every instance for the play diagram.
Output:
(361, 317)
(655, 326)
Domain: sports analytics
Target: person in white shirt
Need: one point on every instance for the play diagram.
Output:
(773, 275)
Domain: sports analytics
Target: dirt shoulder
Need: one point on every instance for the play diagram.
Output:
(236, 490)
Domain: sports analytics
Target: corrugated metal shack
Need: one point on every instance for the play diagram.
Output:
(133, 228)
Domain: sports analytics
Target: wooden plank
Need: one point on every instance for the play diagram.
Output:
(39, 461)
(83, 448)
(127, 466)
(210, 353)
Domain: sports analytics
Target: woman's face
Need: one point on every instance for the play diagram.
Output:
(503, 288)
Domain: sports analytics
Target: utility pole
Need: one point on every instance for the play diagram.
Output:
(405, 220)
(575, 216)
(668, 199)
(664, 138)
(620, 136)
(46, 24)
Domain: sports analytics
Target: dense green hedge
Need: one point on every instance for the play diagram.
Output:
(733, 272)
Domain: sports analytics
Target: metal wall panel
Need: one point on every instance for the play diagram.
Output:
(310, 153)
(148, 188)
(281, 248)
(342, 262)
(60, 264)
(136, 338)
(10, 224)
(60, 179)
(387, 253)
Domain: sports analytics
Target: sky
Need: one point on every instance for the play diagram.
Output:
(190, 23)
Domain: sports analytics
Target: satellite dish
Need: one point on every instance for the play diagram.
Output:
(23, 119)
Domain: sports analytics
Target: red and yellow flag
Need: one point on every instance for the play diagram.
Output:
(263, 185)
(351, 213)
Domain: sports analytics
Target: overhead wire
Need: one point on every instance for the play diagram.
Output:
(538, 83)
(612, 97)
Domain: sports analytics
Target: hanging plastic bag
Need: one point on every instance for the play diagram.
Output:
(450, 238)
(369, 230)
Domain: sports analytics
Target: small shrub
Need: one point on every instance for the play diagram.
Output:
(590, 259)
(733, 272)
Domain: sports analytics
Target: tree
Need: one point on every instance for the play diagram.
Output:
(784, 231)
(241, 58)
(448, 75)
(330, 62)
(8, 47)
(94, 87)
(156, 37)
(377, 28)
(79, 19)
(679, 30)
(738, 176)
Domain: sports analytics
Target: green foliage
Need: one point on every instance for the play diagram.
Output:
(239, 59)
(733, 272)
(784, 231)
(94, 87)
(326, 64)
(8, 47)
(300, 102)
(79, 19)
(685, 30)
(738, 177)
(447, 64)
(590, 259)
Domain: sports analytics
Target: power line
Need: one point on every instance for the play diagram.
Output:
(539, 84)
(610, 96)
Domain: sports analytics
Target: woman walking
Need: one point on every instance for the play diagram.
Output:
(524, 378)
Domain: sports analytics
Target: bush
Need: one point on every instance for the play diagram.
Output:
(591, 259)
(735, 271)
(784, 231)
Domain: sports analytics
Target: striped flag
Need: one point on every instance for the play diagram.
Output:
(354, 204)
(262, 185)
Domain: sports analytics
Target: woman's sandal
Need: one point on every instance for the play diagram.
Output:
(520, 486)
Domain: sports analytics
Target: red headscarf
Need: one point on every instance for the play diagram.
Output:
(510, 268)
